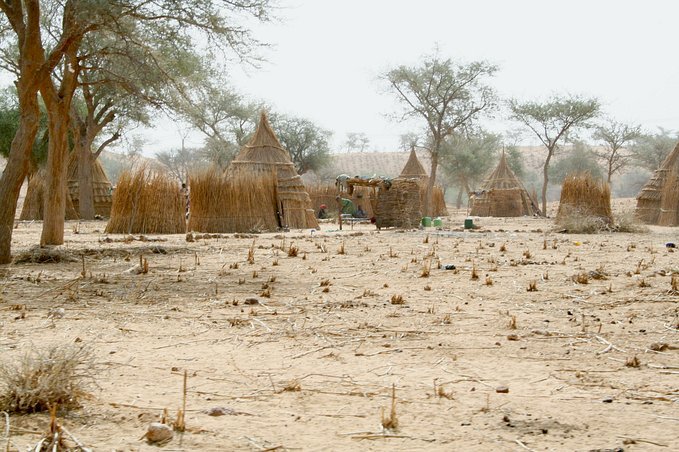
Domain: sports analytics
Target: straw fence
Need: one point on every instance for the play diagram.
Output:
(146, 202)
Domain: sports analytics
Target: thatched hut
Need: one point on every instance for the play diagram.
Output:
(502, 195)
(413, 169)
(658, 201)
(260, 190)
(101, 186)
(34, 203)
(584, 196)
(399, 204)
(146, 202)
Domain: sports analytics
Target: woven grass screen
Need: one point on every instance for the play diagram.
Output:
(146, 202)
(101, 186)
(586, 196)
(399, 206)
(239, 203)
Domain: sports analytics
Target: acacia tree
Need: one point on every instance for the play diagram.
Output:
(466, 159)
(650, 149)
(446, 95)
(224, 116)
(614, 136)
(551, 121)
(306, 142)
(356, 142)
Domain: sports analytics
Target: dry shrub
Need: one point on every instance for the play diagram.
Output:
(628, 222)
(397, 299)
(390, 422)
(532, 286)
(56, 376)
(43, 255)
(574, 220)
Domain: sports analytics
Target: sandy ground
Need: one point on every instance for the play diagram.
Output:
(311, 365)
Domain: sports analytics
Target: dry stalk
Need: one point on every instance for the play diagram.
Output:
(532, 286)
(632, 362)
(341, 249)
(179, 424)
(475, 274)
(426, 269)
(512, 322)
(489, 280)
(390, 422)
(397, 299)
(251, 253)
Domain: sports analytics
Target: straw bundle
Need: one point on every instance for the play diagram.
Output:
(399, 205)
(146, 202)
(221, 204)
(34, 203)
(585, 196)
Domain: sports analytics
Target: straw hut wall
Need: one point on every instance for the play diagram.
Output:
(34, 203)
(399, 205)
(658, 200)
(414, 169)
(585, 196)
(261, 157)
(101, 186)
(502, 195)
(232, 204)
(147, 202)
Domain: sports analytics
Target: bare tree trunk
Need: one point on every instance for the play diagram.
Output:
(17, 166)
(85, 182)
(427, 209)
(458, 203)
(57, 166)
(545, 181)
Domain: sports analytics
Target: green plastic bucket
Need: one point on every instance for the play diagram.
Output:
(468, 223)
(426, 222)
(437, 222)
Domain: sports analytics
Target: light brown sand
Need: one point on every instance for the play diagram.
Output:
(344, 349)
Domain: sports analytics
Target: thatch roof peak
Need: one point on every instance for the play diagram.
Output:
(264, 146)
(413, 167)
(502, 177)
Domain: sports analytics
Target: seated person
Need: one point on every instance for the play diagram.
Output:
(359, 213)
(346, 205)
(322, 212)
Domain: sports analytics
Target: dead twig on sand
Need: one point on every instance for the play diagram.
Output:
(522, 445)
(637, 440)
(340, 344)
(609, 346)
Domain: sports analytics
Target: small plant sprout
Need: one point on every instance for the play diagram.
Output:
(426, 269)
(475, 273)
(532, 286)
(397, 299)
(251, 253)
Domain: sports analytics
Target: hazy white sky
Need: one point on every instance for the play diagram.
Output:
(326, 57)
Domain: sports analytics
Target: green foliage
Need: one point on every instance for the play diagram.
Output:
(650, 150)
(515, 161)
(580, 159)
(9, 124)
(467, 159)
(306, 142)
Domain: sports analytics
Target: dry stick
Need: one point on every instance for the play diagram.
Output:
(6, 429)
(522, 444)
(643, 441)
(327, 346)
(75, 440)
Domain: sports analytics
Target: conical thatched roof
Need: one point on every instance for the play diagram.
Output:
(414, 168)
(264, 146)
(502, 195)
(262, 164)
(658, 201)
